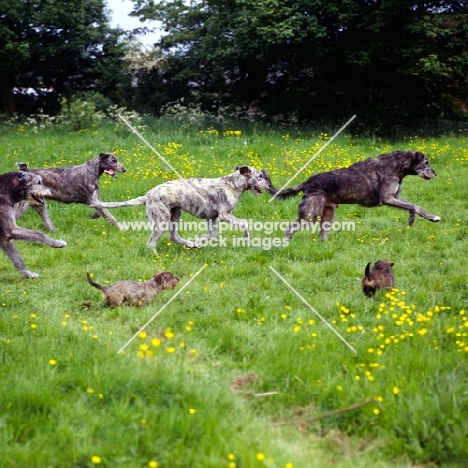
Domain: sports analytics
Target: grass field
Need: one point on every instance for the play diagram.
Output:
(234, 372)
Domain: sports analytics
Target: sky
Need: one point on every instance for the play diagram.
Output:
(120, 11)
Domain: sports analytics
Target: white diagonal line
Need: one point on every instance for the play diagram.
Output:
(161, 309)
(313, 157)
(135, 131)
(312, 309)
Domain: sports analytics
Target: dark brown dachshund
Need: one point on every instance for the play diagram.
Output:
(381, 276)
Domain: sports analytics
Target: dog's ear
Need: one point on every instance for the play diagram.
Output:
(367, 269)
(22, 166)
(162, 276)
(104, 156)
(244, 170)
(158, 277)
(25, 177)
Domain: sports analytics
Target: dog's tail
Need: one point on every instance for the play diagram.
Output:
(97, 203)
(95, 285)
(287, 193)
(367, 269)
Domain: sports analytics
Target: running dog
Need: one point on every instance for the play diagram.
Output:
(381, 276)
(210, 199)
(18, 187)
(74, 184)
(133, 293)
(372, 182)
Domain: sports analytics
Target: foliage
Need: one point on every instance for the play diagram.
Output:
(67, 45)
(194, 389)
(390, 62)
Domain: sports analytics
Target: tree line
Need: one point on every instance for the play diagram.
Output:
(391, 62)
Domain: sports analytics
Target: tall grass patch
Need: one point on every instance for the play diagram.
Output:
(237, 371)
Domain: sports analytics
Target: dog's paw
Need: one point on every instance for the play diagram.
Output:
(435, 219)
(60, 243)
(29, 274)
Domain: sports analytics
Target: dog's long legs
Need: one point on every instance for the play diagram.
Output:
(238, 222)
(211, 234)
(412, 209)
(328, 214)
(102, 211)
(106, 215)
(293, 228)
(159, 219)
(44, 214)
(15, 257)
(174, 233)
(19, 233)
(310, 207)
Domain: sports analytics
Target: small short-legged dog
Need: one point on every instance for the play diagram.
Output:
(381, 276)
(134, 293)
(18, 187)
(74, 184)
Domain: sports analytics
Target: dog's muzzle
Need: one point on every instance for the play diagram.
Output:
(39, 194)
(256, 190)
(428, 175)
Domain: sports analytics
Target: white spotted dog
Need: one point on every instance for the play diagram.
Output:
(210, 199)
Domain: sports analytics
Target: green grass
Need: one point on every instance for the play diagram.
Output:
(185, 395)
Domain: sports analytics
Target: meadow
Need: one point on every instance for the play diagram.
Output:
(237, 371)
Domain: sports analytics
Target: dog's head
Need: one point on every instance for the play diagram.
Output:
(109, 164)
(256, 180)
(32, 188)
(420, 166)
(165, 279)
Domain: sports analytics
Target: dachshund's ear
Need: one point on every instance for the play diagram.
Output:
(158, 277)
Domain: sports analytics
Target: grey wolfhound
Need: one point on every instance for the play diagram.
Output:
(372, 182)
(381, 276)
(133, 293)
(210, 199)
(16, 187)
(74, 184)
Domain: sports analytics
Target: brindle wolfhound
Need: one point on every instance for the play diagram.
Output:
(373, 182)
(210, 199)
(133, 293)
(74, 184)
(16, 187)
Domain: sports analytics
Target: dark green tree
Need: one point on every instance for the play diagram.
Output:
(67, 45)
(389, 61)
